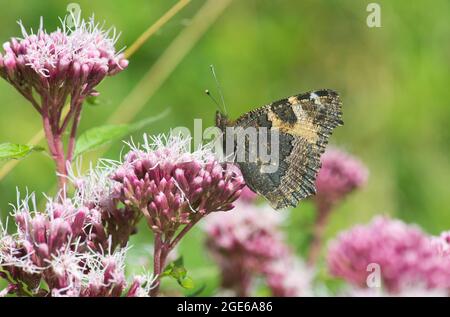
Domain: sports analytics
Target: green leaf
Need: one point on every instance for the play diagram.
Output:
(187, 283)
(177, 271)
(10, 151)
(96, 137)
(93, 100)
(44, 286)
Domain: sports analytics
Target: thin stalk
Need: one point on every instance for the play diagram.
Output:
(162, 249)
(55, 146)
(323, 212)
(155, 27)
(60, 161)
(168, 61)
(183, 233)
(73, 132)
(157, 264)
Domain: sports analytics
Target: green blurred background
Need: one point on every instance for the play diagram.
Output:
(393, 81)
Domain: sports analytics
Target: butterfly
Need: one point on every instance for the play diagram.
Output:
(303, 124)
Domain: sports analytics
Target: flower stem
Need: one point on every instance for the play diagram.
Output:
(155, 27)
(157, 263)
(323, 211)
(55, 147)
(162, 250)
(73, 132)
(60, 161)
(183, 232)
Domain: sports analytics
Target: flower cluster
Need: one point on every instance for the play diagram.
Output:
(48, 69)
(62, 248)
(247, 195)
(71, 60)
(95, 190)
(172, 186)
(289, 277)
(339, 175)
(84, 274)
(405, 255)
(247, 242)
(442, 244)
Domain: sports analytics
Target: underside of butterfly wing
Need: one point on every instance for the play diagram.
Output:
(303, 123)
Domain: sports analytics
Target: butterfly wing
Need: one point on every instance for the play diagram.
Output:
(304, 123)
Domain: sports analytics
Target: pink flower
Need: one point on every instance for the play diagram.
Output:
(78, 57)
(172, 186)
(442, 244)
(62, 246)
(247, 195)
(404, 254)
(339, 175)
(243, 242)
(49, 69)
(289, 277)
(88, 274)
(141, 286)
(95, 190)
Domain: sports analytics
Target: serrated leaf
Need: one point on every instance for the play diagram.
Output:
(10, 151)
(96, 137)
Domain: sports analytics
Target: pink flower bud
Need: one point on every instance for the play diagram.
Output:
(78, 222)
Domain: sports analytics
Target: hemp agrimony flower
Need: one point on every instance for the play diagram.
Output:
(243, 242)
(339, 175)
(405, 255)
(174, 188)
(95, 190)
(49, 69)
(47, 244)
(63, 251)
(248, 243)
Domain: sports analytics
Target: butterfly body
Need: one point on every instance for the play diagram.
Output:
(303, 124)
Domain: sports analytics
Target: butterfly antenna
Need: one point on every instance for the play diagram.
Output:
(207, 92)
(219, 88)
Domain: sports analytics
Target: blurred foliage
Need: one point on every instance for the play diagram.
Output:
(393, 81)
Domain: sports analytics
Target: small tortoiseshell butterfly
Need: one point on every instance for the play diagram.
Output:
(304, 123)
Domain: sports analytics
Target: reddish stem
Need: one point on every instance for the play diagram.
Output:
(162, 250)
(60, 162)
(183, 233)
(73, 132)
(55, 146)
(157, 265)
